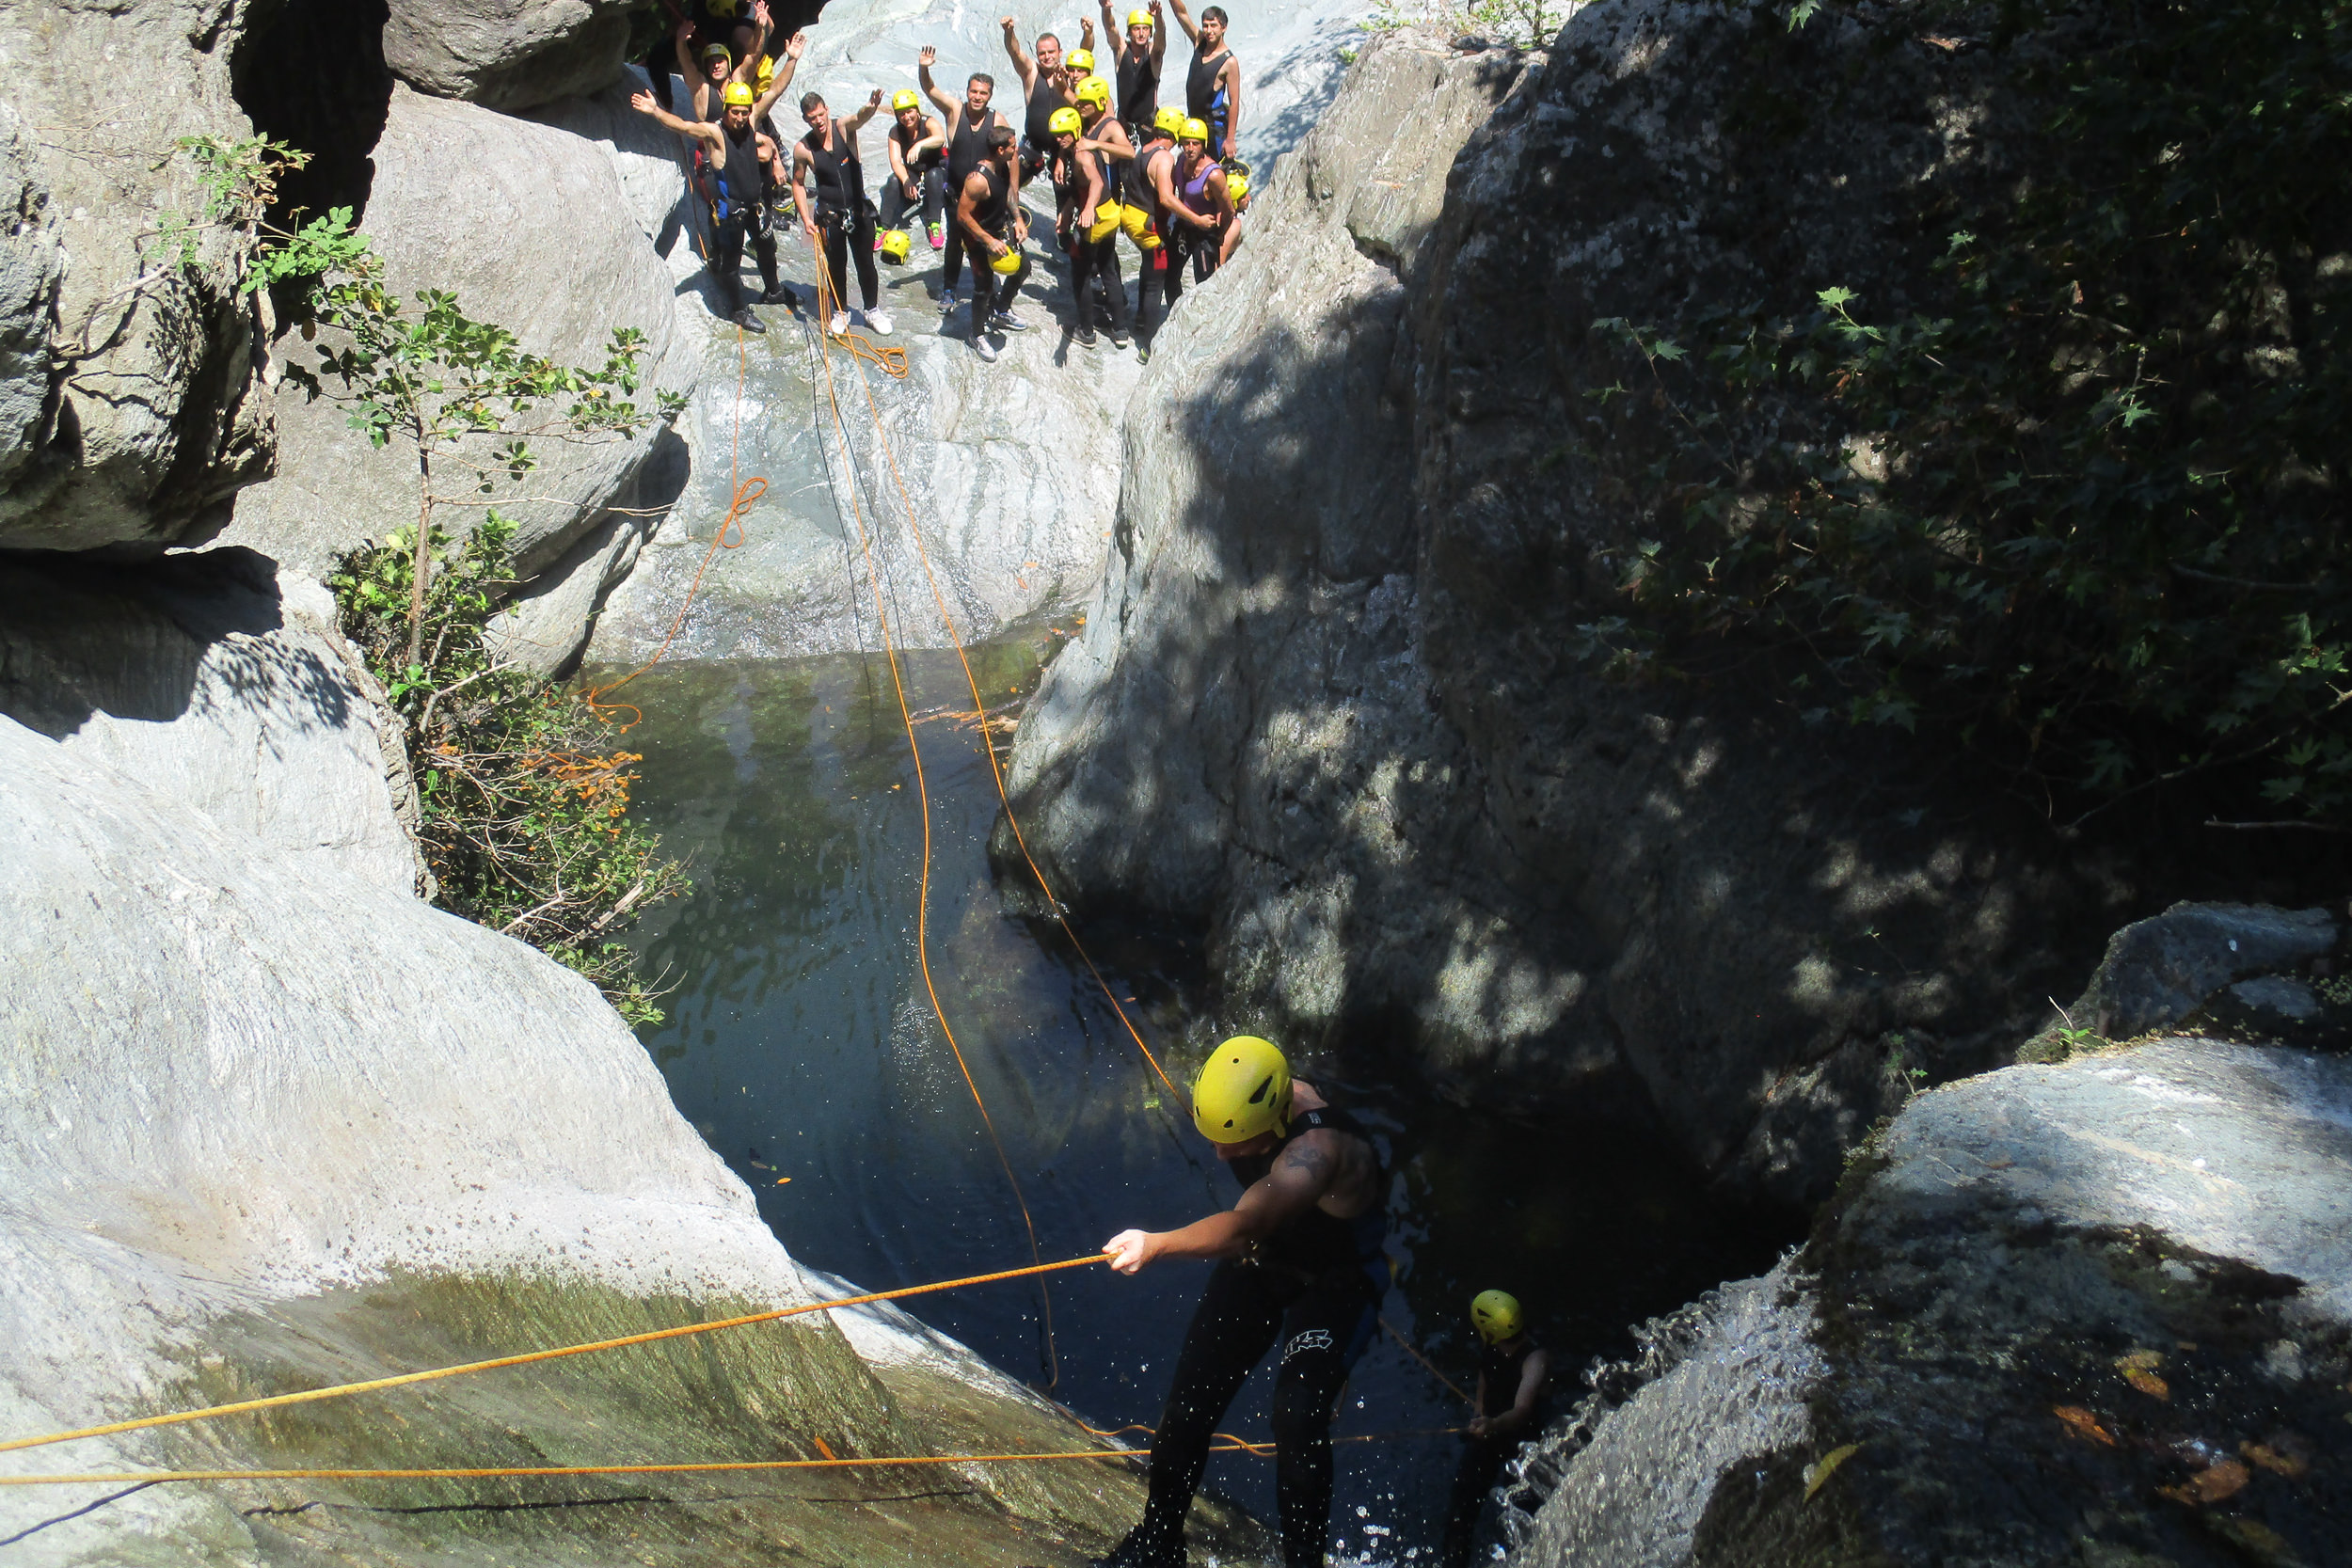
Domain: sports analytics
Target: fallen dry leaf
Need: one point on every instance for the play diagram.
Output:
(2292, 1466)
(2225, 1480)
(2148, 1384)
(2082, 1423)
(1817, 1475)
(2142, 1360)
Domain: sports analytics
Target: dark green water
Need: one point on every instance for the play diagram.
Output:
(800, 1037)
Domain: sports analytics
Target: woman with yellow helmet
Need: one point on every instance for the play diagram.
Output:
(1203, 210)
(1299, 1262)
(1511, 1370)
(918, 150)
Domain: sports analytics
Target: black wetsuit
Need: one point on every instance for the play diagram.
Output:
(714, 23)
(843, 216)
(1187, 244)
(1093, 263)
(1138, 92)
(967, 149)
(1037, 136)
(1141, 193)
(740, 211)
(1204, 96)
(992, 290)
(895, 204)
(1315, 1286)
(1482, 1457)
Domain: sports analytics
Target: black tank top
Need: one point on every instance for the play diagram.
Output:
(837, 176)
(740, 184)
(968, 148)
(1139, 181)
(1139, 89)
(905, 139)
(1200, 87)
(1315, 1243)
(1502, 1371)
(1044, 98)
(993, 208)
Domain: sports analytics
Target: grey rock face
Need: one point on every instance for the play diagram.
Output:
(569, 265)
(2156, 971)
(233, 689)
(505, 54)
(2052, 1294)
(131, 402)
(1429, 821)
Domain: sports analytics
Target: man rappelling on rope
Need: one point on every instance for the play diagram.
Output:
(1299, 1261)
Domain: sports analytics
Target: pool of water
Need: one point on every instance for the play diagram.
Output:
(802, 1044)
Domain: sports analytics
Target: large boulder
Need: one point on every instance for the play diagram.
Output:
(131, 399)
(2098, 1312)
(505, 54)
(562, 263)
(1335, 660)
(233, 684)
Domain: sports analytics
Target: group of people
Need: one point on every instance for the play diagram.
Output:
(1300, 1263)
(1119, 162)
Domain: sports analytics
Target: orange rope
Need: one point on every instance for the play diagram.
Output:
(1412, 1350)
(956, 640)
(826, 301)
(746, 492)
(150, 1478)
(373, 1385)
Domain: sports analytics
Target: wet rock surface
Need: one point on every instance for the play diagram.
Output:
(1381, 780)
(505, 54)
(2096, 1312)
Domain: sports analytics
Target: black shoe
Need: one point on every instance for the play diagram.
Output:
(747, 321)
(1086, 336)
(1119, 337)
(777, 295)
(1143, 354)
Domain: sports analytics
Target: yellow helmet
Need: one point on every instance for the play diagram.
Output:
(1170, 118)
(1064, 119)
(1195, 130)
(1094, 91)
(1080, 60)
(1243, 1090)
(895, 245)
(1009, 264)
(1496, 1315)
(1107, 217)
(1139, 18)
(1237, 186)
(904, 98)
(738, 96)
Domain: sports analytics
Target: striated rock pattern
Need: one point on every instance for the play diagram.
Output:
(131, 399)
(1334, 660)
(2097, 1312)
(505, 54)
(570, 265)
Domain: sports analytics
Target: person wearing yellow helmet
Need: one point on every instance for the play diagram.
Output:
(1299, 1263)
(917, 148)
(1086, 207)
(1149, 187)
(741, 161)
(1136, 64)
(1045, 80)
(1509, 1401)
(988, 211)
(1212, 85)
(829, 188)
(1200, 212)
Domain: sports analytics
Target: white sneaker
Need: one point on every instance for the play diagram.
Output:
(1005, 321)
(878, 322)
(839, 323)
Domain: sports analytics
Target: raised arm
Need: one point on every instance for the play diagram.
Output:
(857, 120)
(923, 63)
(1112, 30)
(1297, 1184)
(701, 130)
(1023, 65)
(686, 64)
(794, 47)
(1086, 31)
(747, 68)
(1184, 20)
(1159, 37)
